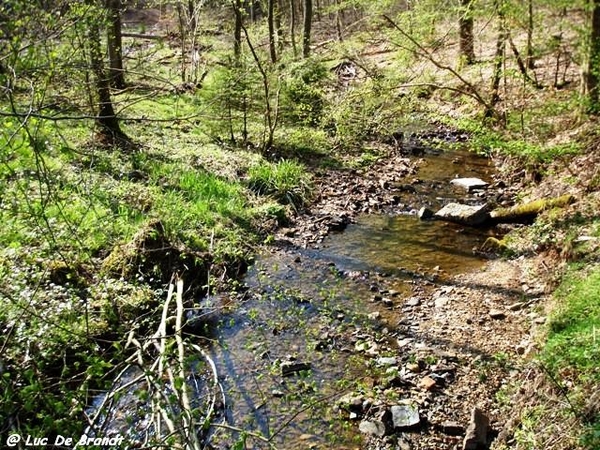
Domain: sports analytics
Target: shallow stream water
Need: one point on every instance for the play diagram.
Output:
(318, 306)
(315, 305)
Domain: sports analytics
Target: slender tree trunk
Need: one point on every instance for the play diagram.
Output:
(271, 23)
(293, 27)
(498, 60)
(467, 50)
(529, 57)
(237, 30)
(115, 46)
(307, 28)
(338, 21)
(107, 119)
(278, 25)
(592, 71)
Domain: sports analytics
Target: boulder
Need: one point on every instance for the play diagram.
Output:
(469, 184)
(464, 214)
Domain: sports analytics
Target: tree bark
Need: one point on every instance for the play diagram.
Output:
(271, 23)
(237, 30)
(307, 28)
(529, 58)
(467, 50)
(293, 27)
(592, 71)
(498, 60)
(115, 46)
(106, 119)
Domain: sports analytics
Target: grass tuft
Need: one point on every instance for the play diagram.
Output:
(287, 181)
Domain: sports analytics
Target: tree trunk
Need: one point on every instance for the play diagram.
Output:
(467, 50)
(591, 74)
(237, 30)
(106, 119)
(115, 47)
(530, 61)
(498, 60)
(271, 23)
(307, 26)
(293, 27)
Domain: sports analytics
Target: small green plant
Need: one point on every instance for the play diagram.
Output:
(286, 181)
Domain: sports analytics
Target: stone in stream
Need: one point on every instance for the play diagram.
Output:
(425, 213)
(476, 437)
(464, 214)
(405, 416)
(469, 183)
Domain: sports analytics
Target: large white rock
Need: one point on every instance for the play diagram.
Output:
(469, 183)
(463, 214)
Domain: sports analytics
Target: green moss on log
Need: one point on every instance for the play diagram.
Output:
(528, 211)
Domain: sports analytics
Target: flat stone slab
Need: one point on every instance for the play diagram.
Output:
(464, 214)
(469, 183)
(405, 416)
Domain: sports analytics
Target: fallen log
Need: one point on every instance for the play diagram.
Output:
(529, 211)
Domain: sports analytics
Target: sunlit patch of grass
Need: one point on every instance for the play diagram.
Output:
(287, 181)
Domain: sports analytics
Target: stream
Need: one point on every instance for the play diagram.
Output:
(310, 325)
(322, 306)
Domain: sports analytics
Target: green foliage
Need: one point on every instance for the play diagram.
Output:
(303, 94)
(571, 350)
(286, 181)
(573, 327)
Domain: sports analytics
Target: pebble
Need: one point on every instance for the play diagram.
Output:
(497, 314)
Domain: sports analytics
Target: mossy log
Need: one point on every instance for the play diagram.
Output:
(529, 211)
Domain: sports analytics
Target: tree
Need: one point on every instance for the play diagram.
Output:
(115, 47)
(591, 74)
(272, 32)
(466, 32)
(106, 119)
(308, 12)
(237, 29)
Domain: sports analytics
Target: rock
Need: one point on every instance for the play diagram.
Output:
(427, 383)
(425, 213)
(497, 314)
(441, 302)
(386, 361)
(277, 393)
(388, 302)
(289, 368)
(413, 301)
(452, 428)
(352, 402)
(372, 427)
(469, 183)
(374, 315)
(476, 437)
(464, 214)
(414, 367)
(517, 306)
(405, 416)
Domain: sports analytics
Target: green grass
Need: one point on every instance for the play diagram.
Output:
(286, 181)
(572, 348)
(574, 328)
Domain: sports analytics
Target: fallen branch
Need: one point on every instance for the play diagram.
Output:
(528, 211)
